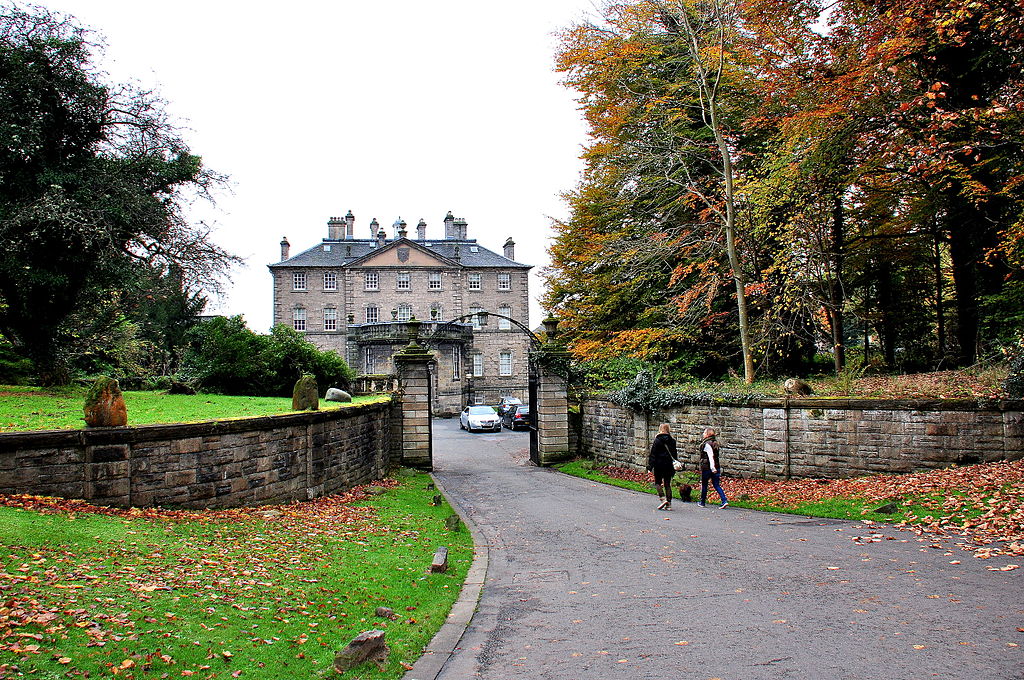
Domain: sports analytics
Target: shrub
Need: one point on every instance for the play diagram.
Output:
(225, 356)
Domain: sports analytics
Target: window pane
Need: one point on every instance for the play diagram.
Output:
(504, 281)
(299, 281)
(371, 281)
(299, 319)
(504, 324)
(404, 312)
(434, 281)
(372, 314)
(505, 363)
(330, 319)
(330, 281)
(404, 282)
(478, 364)
(474, 281)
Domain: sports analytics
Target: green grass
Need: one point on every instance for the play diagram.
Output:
(838, 508)
(31, 408)
(243, 597)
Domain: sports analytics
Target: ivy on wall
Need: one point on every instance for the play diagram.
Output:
(644, 396)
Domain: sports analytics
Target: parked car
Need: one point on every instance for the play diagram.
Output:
(479, 418)
(517, 417)
(506, 403)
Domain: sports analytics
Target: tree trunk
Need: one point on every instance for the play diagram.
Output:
(837, 297)
(971, 235)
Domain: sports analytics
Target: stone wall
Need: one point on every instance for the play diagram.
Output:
(815, 437)
(216, 464)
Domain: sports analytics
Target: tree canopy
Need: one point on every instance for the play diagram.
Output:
(94, 180)
(874, 157)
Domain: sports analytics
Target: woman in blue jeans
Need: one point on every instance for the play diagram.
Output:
(710, 468)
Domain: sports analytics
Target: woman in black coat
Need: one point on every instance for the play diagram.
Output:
(662, 463)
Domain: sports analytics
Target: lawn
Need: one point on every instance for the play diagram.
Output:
(33, 408)
(983, 504)
(269, 592)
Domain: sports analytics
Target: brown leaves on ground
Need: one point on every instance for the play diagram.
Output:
(237, 563)
(961, 384)
(982, 503)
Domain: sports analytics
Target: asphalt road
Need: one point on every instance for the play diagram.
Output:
(589, 581)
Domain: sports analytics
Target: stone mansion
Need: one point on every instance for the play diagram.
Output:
(353, 295)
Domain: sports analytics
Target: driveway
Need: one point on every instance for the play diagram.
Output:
(589, 581)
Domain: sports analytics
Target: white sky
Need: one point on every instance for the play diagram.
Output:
(405, 108)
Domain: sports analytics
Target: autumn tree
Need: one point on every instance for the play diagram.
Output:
(93, 183)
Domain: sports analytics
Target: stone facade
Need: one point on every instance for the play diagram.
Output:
(810, 437)
(230, 463)
(350, 295)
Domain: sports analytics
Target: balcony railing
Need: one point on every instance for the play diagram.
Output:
(397, 332)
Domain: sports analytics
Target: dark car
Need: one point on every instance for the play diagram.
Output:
(517, 417)
(506, 404)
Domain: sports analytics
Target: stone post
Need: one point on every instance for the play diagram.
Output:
(413, 365)
(552, 400)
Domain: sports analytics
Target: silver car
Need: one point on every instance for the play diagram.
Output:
(479, 418)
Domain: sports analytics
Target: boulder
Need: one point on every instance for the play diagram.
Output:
(334, 394)
(306, 395)
(798, 387)
(367, 646)
(104, 405)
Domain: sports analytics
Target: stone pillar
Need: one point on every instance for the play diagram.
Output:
(413, 365)
(552, 400)
(552, 418)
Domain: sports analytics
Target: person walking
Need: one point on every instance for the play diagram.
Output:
(710, 468)
(662, 461)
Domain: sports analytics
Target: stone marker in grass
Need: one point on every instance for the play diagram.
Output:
(367, 646)
(306, 396)
(440, 563)
(104, 404)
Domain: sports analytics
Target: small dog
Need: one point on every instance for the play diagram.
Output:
(685, 493)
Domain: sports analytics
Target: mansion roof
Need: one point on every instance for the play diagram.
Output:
(347, 252)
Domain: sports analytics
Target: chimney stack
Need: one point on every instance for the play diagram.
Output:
(400, 228)
(373, 228)
(460, 229)
(382, 237)
(285, 248)
(421, 230)
(510, 249)
(350, 223)
(449, 226)
(335, 229)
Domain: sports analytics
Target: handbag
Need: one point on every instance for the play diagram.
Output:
(676, 465)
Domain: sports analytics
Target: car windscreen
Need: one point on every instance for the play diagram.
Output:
(481, 410)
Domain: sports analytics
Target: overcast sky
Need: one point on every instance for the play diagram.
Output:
(405, 108)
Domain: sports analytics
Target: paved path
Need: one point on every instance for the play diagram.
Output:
(590, 582)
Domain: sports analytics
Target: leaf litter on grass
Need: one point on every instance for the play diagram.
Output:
(982, 503)
(224, 570)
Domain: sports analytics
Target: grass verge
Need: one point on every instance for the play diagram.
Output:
(271, 592)
(30, 408)
(983, 503)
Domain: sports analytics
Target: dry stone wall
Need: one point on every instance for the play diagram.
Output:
(217, 464)
(815, 437)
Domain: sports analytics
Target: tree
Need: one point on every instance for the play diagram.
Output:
(93, 183)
